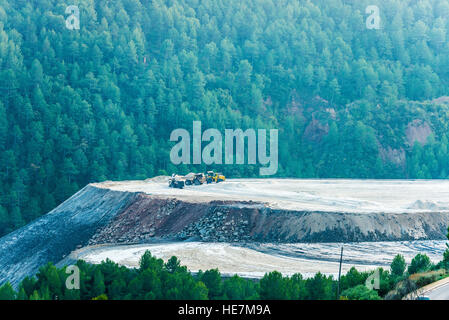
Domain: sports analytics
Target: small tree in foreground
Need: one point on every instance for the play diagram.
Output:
(420, 263)
(398, 266)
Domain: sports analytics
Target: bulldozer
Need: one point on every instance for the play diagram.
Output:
(215, 177)
(176, 181)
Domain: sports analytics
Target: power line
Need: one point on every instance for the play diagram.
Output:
(339, 273)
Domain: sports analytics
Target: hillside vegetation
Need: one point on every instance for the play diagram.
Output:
(99, 103)
(156, 279)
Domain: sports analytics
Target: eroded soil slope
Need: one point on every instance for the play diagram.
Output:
(150, 217)
(53, 236)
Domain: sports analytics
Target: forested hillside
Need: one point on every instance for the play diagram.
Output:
(99, 103)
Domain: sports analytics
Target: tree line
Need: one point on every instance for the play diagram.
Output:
(156, 279)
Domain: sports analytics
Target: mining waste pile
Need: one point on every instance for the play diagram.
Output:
(236, 211)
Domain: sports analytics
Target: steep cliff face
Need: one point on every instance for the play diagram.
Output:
(55, 235)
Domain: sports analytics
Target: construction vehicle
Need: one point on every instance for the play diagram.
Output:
(189, 178)
(176, 181)
(195, 178)
(215, 177)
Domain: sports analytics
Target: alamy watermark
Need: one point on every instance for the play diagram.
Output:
(373, 20)
(73, 20)
(212, 153)
(373, 281)
(73, 280)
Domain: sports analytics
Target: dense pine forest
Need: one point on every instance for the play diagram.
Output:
(78, 106)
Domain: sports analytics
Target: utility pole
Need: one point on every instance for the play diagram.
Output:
(339, 273)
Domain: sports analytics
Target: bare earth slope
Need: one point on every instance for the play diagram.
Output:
(151, 217)
(59, 232)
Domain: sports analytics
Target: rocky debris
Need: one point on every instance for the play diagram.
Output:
(219, 226)
(146, 218)
(150, 218)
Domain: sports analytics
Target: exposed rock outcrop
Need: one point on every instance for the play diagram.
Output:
(418, 131)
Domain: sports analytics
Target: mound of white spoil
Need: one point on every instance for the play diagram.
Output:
(358, 196)
(281, 210)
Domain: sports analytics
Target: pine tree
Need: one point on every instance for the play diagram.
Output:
(98, 287)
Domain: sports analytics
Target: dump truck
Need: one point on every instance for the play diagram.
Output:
(195, 179)
(176, 181)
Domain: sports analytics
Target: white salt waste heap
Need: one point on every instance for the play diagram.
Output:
(359, 196)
